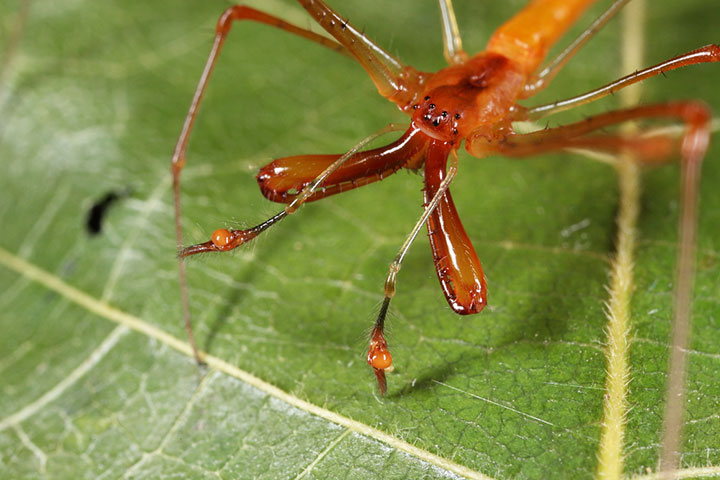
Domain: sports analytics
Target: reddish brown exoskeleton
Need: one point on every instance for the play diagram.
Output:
(474, 100)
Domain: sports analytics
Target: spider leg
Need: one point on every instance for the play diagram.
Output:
(452, 42)
(541, 79)
(398, 83)
(706, 54)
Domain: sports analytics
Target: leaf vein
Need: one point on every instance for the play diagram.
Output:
(126, 320)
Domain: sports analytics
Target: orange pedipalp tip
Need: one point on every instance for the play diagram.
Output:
(380, 358)
(221, 237)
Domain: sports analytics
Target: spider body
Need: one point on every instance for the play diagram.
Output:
(474, 100)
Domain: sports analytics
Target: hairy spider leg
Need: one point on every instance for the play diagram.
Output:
(706, 54)
(542, 78)
(395, 81)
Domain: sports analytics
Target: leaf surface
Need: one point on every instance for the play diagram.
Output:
(92, 100)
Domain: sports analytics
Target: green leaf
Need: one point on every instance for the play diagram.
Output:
(92, 99)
